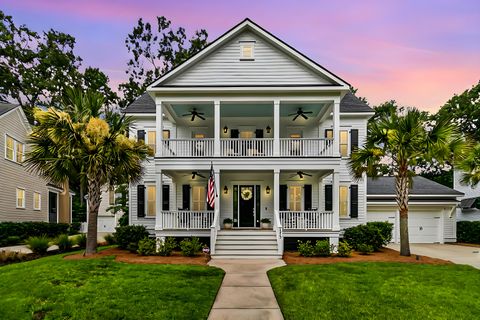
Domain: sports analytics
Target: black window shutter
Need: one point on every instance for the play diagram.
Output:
(328, 197)
(141, 135)
(140, 201)
(186, 197)
(235, 205)
(307, 197)
(354, 201)
(258, 205)
(353, 139)
(259, 133)
(166, 197)
(283, 197)
(234, 133)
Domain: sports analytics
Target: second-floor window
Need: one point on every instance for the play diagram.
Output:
(14, 149)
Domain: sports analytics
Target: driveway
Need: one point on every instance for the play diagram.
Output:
(455, 253)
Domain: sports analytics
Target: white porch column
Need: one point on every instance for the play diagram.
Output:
(336, 127)
(276, 128)
(217, 198)
(216, 119)
(276, 191)
(336, 200)
(159, 127)
(158, 201)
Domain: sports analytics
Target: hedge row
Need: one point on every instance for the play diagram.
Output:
(12, 233)
(468, 231)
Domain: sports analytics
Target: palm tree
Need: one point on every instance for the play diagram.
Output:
(401, 141)
(471, 167)
(81, 140)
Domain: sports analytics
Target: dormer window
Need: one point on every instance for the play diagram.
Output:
(247, 50)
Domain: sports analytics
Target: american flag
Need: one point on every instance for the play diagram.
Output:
(211, 188)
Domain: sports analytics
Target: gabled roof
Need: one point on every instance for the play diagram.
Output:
(248, 24)
(349, 104)
(385, 186)
(6, 107)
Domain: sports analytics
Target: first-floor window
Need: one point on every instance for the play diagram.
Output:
(198, 198)
(151, 200)
(20, 198)
(295, 198)
(152, 140)
(37, 201)
(343, 201)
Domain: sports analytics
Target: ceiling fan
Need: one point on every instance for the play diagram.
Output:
(194, 113)
(299, 113)
(195, 173)
(301, 174)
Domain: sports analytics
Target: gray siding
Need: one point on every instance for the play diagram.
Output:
(13, 175)
(224, 67)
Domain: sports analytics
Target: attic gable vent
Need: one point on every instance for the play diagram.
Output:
(247, 50)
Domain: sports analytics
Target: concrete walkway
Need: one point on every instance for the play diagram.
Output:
(246, 292)
(455, 253)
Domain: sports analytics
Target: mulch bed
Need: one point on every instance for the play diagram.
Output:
(128, 257)
(385, 255)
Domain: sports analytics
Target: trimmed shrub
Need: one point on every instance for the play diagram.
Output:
(322, 248)
(190, 247)
(74, 228)
(109, 239)
(39, 244)
(147, 247)
(344, 250)
(375, 234)
(166, 247)
(20, 231)
(127, 237)
(306, 248)
(63, 242)
(365, 249)
(81, 240)
(468, 231)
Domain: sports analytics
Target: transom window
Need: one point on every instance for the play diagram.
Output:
(37, 201)
(344, 143)
(343, 201)
(295, 198)
(14, 149)
(198, 198)
(247, 134)
(20, 198)
(247, 50)
(151, 200)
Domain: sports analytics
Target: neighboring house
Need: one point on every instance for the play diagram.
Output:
(24, 196)
(466, 211)
(278, 129)
(432, 207)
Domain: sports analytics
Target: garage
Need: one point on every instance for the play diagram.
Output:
(431, 209)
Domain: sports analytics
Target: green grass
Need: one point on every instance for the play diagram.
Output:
(55, 288)
(377, 291)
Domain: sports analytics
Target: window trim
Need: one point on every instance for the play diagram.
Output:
(15, 144)
(39, 201)
(16, 198)
(347, 144)
(251, 44)
(147, 215)
(347, 186)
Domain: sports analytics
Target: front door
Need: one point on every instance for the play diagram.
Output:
(52, 207)
(246, 203)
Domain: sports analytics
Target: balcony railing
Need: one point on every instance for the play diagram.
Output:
(305, 220)
(187, 220)
(306, 147)
(188, 147)
(255, 147)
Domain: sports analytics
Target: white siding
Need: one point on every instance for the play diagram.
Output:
(224, 67)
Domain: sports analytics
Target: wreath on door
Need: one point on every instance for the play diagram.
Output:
(246, 193)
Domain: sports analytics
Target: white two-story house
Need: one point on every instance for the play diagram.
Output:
(278, 129)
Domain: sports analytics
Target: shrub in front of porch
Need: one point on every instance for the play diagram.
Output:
(322, 248)
(375, 234)
(128, 237)
(190, 247)
(147, 247)
(344, 250)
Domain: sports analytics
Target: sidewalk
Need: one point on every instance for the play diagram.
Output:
(246, 292)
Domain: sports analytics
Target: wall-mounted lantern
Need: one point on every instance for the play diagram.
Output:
(225, 190)
(225, 129)
(267, 190)
(268, 129)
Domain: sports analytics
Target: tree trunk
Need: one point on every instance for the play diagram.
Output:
(94, 195)
(401, 183)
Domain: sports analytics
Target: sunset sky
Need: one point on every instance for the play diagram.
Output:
(417, 52)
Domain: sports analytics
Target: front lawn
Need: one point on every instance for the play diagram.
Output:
(377, 290)
(55, 288)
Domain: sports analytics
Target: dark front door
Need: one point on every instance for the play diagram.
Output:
(52, 207)
(246, 203)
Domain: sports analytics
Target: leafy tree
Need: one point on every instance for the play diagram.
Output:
(155, 51)
(354, 91)
(404, 140)
(95, 80)
(81, 140)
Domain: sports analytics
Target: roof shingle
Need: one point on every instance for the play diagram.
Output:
(385, 186)
(5, 107)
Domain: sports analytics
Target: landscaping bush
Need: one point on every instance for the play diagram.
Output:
(147, 247)
(38, 244)
(322, 248)
(63, 242)
(190, 247)
(127, 237)
(344, 250)
(81, 240)
(74, 228)
(375, 234)
(365, 249)
(109, 239)
(166, 247)
(306, 248)
(468, 231)
(15, 232)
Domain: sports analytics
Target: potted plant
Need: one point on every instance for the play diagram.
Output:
(265, 223)
(227, 223)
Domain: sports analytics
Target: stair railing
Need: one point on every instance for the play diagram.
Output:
(277, 224)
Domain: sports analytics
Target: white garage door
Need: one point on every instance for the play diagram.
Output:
(423, 225)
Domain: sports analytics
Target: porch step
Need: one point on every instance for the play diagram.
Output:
(247, 244)
(241, 246)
